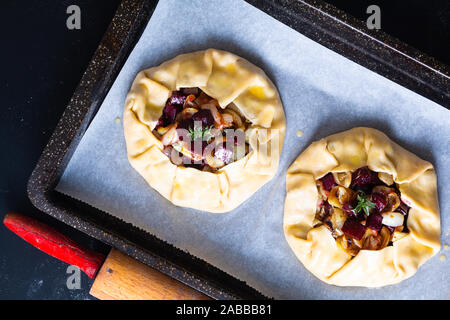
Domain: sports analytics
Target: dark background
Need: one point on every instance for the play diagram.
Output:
(41, 64)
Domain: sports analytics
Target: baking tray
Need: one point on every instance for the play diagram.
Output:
(316, 20)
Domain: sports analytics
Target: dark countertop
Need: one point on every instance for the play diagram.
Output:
(43, 62)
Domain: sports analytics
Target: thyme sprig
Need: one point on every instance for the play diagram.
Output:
(204, 134)
(363, 203)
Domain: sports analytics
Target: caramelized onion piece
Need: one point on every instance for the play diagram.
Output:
(175, 158)
(188, 112)
(382, 189)
(183, 148)
(371, 240)
(337, 220)
(393, 219)
(236, 118)
(189, 99)
(347, 244)
(324, 210)
(227, 120)
(213, 162)
(162, 130)
(171, 135)
(386, 178)
(385, 236)
(374, 240)
(340, 195)
(210, 159)
(393, 201)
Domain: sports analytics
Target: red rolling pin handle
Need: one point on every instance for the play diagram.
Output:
(54, 243)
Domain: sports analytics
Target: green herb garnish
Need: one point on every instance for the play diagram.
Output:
(204, 134)
(363, 203)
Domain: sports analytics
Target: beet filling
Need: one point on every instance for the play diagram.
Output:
(204, 143)
(361, 215)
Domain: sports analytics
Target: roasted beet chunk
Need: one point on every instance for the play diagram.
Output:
(403, 208)
(171, 111)
(169, 115)
(328, 182)
(348, 208)
(177, 98)
(198, 166)
(160, 122)
(353, 228)
(380, 201)
(327, 207)
(363, 179)
(205, 117)
(188, 91)
(186, 124)
(374, 221)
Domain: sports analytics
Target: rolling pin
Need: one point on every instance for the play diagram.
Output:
(118, 277)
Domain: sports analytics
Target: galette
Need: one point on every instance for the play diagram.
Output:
(204, 129)
(360, 210)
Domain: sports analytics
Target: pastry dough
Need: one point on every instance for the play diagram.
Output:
(229, 79)
(316, 248)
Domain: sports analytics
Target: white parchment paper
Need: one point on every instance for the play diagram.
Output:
(322, 93)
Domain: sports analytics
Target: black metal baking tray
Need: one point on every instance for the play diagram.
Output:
(316, 20)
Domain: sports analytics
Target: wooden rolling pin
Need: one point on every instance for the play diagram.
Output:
(118, 277)
(123, 278)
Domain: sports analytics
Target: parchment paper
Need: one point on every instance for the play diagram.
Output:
(322, 93)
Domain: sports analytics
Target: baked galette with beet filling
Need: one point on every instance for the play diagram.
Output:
(360, 210)
(204, 129)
